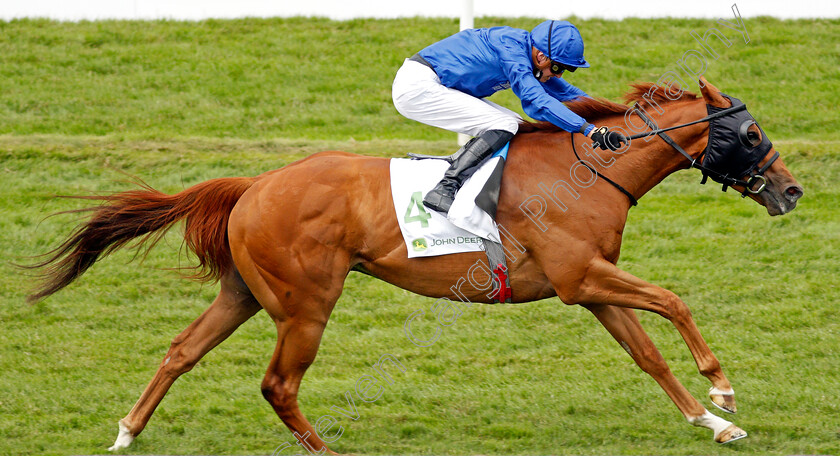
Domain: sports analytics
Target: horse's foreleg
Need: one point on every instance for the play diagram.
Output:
(604, 283)
(231, 308)
(625, 327)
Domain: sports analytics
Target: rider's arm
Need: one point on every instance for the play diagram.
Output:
(563, 90)
(536, 101)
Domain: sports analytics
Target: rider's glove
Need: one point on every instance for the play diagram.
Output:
(606, 139)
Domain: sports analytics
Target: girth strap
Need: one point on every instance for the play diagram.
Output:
(501, 282)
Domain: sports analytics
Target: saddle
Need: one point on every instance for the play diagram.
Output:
(487, 200)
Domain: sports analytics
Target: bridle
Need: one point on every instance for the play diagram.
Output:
(755, 173)
(729, 116)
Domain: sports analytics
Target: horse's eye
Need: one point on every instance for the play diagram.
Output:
(750, 134)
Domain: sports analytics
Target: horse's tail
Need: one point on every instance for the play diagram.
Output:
(147, 213)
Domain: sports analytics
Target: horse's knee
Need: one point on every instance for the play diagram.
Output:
(673, 308)
(269, 384)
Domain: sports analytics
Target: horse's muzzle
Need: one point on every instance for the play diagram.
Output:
(780, 202)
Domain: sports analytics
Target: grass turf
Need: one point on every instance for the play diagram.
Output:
(321, 79)
(538, 378)
(178, 103)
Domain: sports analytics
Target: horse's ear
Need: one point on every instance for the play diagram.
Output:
(712, 95)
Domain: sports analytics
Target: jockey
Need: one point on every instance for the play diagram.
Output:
(444, 86)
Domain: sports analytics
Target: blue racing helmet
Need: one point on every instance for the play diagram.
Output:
(564, 40)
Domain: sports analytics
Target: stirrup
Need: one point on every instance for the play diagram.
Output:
(447, 158)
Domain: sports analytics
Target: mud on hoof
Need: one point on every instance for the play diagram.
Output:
(724, 400)
(730, 434)
(124, 438)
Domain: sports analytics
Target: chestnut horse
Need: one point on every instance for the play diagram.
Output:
(286, 240)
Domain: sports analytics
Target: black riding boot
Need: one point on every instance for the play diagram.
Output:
(464, 164)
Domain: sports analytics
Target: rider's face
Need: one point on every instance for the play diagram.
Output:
(543, 63)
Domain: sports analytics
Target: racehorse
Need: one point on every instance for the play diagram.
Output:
(285, 241)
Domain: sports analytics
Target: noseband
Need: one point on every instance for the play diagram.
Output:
(730, 154)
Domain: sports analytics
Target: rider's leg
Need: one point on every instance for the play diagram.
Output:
(419, 95)
(477, 149)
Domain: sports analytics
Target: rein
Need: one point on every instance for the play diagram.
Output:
(724, 179)
(657, 131)
(633, 201)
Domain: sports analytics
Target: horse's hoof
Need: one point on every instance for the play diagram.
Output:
(724, 400)
(730, 434)
(124, 438)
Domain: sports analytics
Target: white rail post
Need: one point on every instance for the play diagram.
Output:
(466, 23)
(467, 15)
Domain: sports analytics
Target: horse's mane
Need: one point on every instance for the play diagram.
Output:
(595, 108)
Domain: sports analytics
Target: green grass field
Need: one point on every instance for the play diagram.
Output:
(177, 103)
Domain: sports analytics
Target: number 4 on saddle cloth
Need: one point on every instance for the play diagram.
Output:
(470, 224)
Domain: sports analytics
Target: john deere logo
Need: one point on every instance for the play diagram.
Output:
(419, 244)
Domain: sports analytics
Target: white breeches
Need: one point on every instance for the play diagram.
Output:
(419, 95)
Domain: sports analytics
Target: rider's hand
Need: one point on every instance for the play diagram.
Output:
(606, 139)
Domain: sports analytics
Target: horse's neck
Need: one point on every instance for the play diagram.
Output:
(650, 160)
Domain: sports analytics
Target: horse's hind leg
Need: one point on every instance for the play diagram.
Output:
(300, 306)
(297, 345)
(232, 307)
(625, 327)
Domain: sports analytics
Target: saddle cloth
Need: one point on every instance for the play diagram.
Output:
(471, 217)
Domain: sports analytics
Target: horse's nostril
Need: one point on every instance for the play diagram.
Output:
(793, 193)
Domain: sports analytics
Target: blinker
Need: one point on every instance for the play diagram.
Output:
(730, 151)
(744, 134)
(733, 152)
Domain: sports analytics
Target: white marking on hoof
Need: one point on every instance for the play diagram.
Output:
(729, 392)
(724, 430)
(124, 438)
(723, 399)
(730, 434)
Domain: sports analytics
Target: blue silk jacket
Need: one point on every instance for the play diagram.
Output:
(481, 62)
